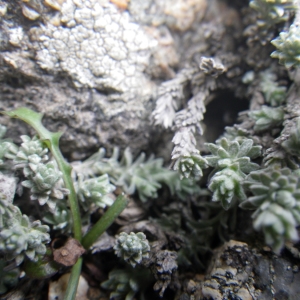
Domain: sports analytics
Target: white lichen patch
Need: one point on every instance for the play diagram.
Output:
(97, 45)
(16, 36)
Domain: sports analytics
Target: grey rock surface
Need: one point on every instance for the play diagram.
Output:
(95, 68)
(238, 271)
(89, 66)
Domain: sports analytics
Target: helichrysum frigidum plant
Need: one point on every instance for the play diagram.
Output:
(234, 134)
(186, 158)
(94, 191)
(267, 117)
(43, 183)
(31, 150)
(231, 161)
(43, 177)
(127, 283)
(276, 198)
(142, 175)
(60, 218)
(271, 12)
(133, 247)
(19, 237)
(274, 94)
(292, 143)
(226, 185)
(288, 47)
(7, 149)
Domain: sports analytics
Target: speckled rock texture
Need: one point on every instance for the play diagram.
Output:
(240, 272)
(92, 67)
(98, 47)
(230, 275)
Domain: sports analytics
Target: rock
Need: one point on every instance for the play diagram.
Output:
(238, 271)
(229, 274)
(57, 289)
(88, 66)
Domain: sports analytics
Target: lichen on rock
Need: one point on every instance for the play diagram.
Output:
(97, 46)
(91, 66)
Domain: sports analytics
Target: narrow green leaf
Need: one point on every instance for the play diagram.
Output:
(73, 281)
(105, 221)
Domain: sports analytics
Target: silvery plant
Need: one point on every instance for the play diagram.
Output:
(66, 197)
(244, 170)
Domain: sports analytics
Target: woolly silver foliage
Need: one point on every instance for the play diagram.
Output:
(133, 247)
(19, 237)
(267, 117)
(142, 175)
(276, 198)
(94, 191)
(232, 161)
(287, 44)
(271, 12)
(273, 93)
(44, 183)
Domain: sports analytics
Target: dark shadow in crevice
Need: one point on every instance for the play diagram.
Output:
(222, 111)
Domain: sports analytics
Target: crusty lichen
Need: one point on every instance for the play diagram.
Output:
(97, 46)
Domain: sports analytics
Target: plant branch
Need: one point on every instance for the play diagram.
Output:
(105, 221)
(73, 281)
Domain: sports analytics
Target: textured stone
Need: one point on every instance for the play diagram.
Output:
(88, 66)
(238, 271)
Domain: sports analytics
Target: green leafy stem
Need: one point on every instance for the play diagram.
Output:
(51, 140)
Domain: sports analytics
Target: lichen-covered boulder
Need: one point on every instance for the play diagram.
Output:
(90, 66)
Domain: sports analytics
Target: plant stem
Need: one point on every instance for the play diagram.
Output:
(73, 281)
(105, 221)
(51, 139)
(66, 171)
